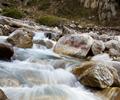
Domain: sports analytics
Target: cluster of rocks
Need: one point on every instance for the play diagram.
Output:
(98, 72)
(88, 44)
(20, 34)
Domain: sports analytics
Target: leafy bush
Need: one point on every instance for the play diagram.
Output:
(51, 20)
(13, 12)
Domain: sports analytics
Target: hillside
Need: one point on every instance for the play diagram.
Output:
(94, 12)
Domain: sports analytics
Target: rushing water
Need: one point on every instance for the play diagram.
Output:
(33, 75)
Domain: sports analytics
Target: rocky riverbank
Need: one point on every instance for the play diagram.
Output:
(88, 55)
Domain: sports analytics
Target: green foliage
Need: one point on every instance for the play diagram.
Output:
(51, 20)
(41, 4)
(13, 12)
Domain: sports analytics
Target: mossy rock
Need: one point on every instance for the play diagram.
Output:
(51, 20)
(13, 12)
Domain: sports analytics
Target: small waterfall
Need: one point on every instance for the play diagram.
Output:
(33, 75)
(49, 92)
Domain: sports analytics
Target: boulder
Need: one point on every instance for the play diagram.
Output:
(2, 95)
(98, 47)
(97, 75)
(21, 38)
(77, 45)
(113, 46)
(101, 57)
(6, 51)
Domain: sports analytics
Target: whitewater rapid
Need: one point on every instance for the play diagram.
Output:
(32, 76)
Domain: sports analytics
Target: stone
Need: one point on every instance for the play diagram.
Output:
(101, 57)
(6, 51)
(98, 47)
(59, 64)
(49, 44)
(21, 38)
(97, 75)
(113, 47)
(2, 95)
(77, 45)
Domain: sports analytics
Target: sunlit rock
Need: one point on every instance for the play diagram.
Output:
(21, 38)
(113, 47)
(101, 57)
(74, 45)
(98, 47)
(97, 75)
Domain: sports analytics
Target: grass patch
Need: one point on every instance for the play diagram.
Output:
(13, 12)
(49, 20)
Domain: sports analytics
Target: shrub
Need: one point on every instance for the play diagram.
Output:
(51, 20)
(13, 12)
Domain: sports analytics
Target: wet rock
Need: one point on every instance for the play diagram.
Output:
(2, 95)
(77, 45)
(21, 38)
(6, 51)
(111, 93)
(49, 44)
(97, 75)
(59, 64)
(98, 47)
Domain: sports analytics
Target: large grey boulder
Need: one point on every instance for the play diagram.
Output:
(77, 45)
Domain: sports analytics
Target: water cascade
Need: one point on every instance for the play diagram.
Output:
(32, 76)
